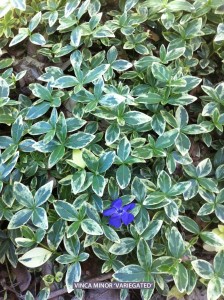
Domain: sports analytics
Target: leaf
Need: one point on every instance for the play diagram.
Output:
(56, 234)
(130, 273)
(211, 239)
(112, 133)
(19, 4)
(79, 140)
(129, 4)
(43, 193)
(70, 7)
(91, 227)
(76, 35)
(144, 254)
(181, 278)
(123, 176)
(189, 224)
(203, 268)
(111, 100)
(125, 246)
(73, 275)
(23, 195)
(20, 218)
(105, 162)
(160, 72)
(121, 65)
(219, 263)
(65, 210)
(38, 39)
(124, 149)
(39, 218)
(95, 73)
(98, 185)
(204, 168)
(37, 111)
(133, 118)
(56, 155)
(35, 257)
(176, 243)
(65, 82)
(167, 139)
(35, 21)
(77, 181)
(18, 38)
(152, 229)
(164, 182)
(214, 290)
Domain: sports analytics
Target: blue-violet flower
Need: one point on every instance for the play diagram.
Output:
(119, 213)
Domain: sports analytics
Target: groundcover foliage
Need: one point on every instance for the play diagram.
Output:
(111, 138)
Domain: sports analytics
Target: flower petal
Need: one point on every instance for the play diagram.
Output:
(129, 206)
(127, 218)
(109, 211)
(117, 203)
(115, 221)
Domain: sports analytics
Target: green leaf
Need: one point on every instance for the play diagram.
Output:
(73, 275)
(133, 118)
(129, 4)
(65, 210)
(75, 37)
(167, 139)
(35, 21)
(65, 82)
(20, 218)
(203, 268)
(39, 218)
(35, 257)
(204, 168)
(160, 72)
(164, 182)
(121, 65)
(123, 176)
(211, 239)
(19, 38)
(152, 229)
(23, 195)
(112, 133)
(38, 110)
(144, 254)
(6, 62)
(19, 4)
(219, 263)
(56, 234)
(43, 193)
(111, 100)
(215, 287)
(189, 224)
(98, 185)
(125, 246)
(70, 7)
(124, 149)
(111, 234)
(77, 181)
(181, 278)
(91, 227)
(79, 140)
(130, 273)
(105, 162)
(95, 73)
(56, 155)
(176, 243)
(37, 39)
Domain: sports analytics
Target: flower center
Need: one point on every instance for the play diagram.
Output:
(120, 210)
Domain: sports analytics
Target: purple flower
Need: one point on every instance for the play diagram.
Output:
(119, 213)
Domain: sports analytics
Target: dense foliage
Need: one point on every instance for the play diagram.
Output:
(104, 101)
